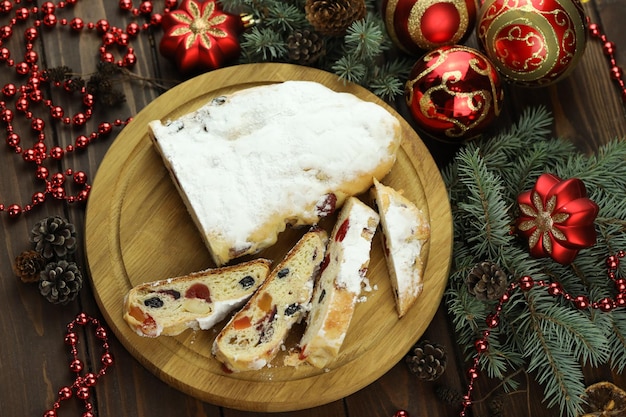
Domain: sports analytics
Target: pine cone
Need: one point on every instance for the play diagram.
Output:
(486, 281)
(427, 360)
(28, 265)
(54, 237)
(60, 282)
(305, 47)
(333, 17)
(448, 395)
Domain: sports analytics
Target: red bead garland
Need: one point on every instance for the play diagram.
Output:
(31, 93)
(81, 388)
(526, 283)
(608, 48)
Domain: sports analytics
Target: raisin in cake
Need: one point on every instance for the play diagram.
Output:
(336, 292)
(250, 163)
(253, 336)
(406, 229)
(198, 300)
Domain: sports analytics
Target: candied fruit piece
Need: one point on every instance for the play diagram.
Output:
(199, 290)
(197, 306)
(265, 302)
(242, 323)
(137, 314)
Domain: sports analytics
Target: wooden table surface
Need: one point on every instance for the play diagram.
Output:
(588, 110)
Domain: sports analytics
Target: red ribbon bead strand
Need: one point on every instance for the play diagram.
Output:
(82, 385)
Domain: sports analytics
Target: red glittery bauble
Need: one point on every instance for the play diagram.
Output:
(557, 218)
(454, 93)
(416, 26)
(533, 42)
(199, 36)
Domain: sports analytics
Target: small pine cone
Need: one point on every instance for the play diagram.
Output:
(333, 17)
(28, 265)
(54, 237)
(58, 74)
(448, 395)
(427, 360)
(486, 281)
(60, 282)
(305, 47)
(496, 406)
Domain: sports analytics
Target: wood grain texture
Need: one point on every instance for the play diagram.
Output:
(137, 230)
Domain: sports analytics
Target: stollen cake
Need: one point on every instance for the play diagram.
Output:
(254, 335)
(336, 292)
(197, 301)
(251, 163)
(406, 229)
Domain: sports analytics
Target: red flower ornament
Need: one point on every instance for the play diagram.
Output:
(199, 36)
(557, 218)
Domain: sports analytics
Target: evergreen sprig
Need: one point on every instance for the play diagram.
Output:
(547, 336)
(360, 56)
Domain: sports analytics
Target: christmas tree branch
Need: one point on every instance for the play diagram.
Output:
(539, 332)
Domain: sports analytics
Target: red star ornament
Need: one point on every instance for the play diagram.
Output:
(199, 36)
(557, 218)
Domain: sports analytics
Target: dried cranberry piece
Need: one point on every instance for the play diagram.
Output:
(342, 231)
(153, 302)
(326, 206)
(199, 290)
(325, 263)
(265, 327)
(172, 293)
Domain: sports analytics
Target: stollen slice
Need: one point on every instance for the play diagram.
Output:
(255, 334)
(195, 301)
(405, 232)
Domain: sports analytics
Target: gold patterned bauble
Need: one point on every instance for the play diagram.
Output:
(533, 42)
(416, 26)
(454, 93)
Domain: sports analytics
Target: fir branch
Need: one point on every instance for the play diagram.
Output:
(387, 86)
(365, 38)
(617, 340)
(389, 79)
(498, 362)
(550, 358)
(285, 17)
(264, 44)
(548, 335)
(483, 211)
(350, 69)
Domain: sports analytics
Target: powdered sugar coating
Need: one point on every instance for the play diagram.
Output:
(268, 154)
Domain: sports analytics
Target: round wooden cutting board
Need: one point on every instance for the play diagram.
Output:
(138, 230)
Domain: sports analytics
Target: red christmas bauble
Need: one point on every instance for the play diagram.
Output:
(199, 36)
(454, 93)
(416, 26)
(533, 42)
(557, 218)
